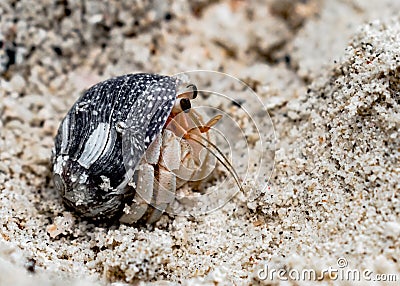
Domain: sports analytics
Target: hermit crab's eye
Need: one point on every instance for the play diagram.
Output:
(185, 104)
(181, 104)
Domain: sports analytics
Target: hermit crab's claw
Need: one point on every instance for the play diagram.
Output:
(210, 123)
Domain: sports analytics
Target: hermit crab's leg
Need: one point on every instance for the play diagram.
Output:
(188, 167)
(165, 186)
(143, 196)
(164, 194)
(144, 184)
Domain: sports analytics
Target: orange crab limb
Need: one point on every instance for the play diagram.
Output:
(205, 128)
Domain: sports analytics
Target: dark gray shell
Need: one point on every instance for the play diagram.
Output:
(103, 137)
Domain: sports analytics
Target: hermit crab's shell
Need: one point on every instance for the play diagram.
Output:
(103, 137)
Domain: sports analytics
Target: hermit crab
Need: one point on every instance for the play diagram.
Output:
(128, 144)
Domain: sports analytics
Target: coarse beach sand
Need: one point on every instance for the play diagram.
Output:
(328, 73)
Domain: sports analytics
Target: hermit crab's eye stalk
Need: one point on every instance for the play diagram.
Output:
(189, 94)
(194, 88)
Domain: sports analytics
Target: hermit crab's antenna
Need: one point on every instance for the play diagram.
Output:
(224, 161)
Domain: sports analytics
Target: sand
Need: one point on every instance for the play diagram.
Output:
(329, 74)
